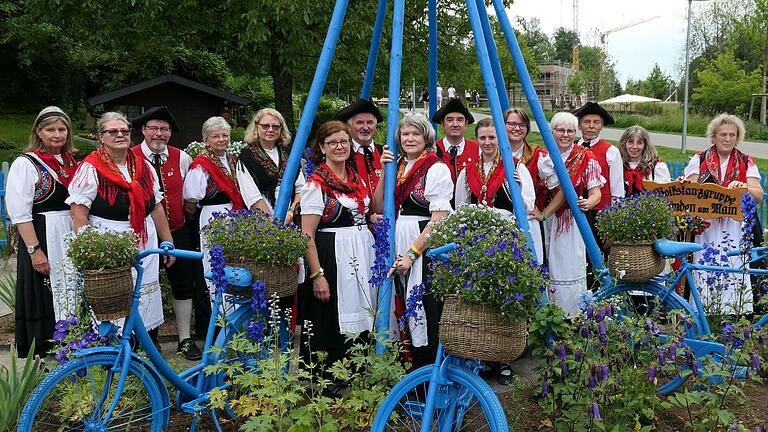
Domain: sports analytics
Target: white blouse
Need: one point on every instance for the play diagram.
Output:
(592, 175)
(313, 202)
(20, 187)
(196, 181)
(463, 194)
(251, 193)
(660, 172)
(438, 189)
(694, 166)
(85, 184)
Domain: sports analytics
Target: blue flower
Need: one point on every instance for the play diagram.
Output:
(259, 298)
(256, 330)
(217, 269)
(519, 296)
(412, 305)
(511, 278)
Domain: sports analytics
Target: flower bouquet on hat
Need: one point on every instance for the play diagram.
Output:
(105, 258)
(631, 225)
(260, 244)
(491, 284)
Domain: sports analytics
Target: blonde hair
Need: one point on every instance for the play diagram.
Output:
(252, 133)
(648, 157)
(47, 116)
(724, 119)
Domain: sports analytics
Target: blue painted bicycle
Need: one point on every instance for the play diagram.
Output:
(112, 388)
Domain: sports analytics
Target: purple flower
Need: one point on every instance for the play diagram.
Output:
(662, 358)
(652, 374)
(595, 411)
(577, 355)
(91, 337)
(545, 387)
(72, 320)
(673, 349)
(519, 296)
(59, 336)
(61, 325)
(603, 372)
(755, 361)
(560, 352)
(564, 368)
(591, 384)
(511, 278)
(259, 298)
(256, 330)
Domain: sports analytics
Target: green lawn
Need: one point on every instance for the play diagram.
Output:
(14, 132)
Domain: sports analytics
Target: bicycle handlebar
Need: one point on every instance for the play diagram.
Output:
(438, 252)
(166, 248)
(756, 251)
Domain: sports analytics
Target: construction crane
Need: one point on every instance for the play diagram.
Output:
(575, 46)
(604, 34)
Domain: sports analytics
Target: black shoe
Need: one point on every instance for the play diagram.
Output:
(505, 375)
(189, 350)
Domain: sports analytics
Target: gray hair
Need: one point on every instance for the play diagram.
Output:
(564, 118)
(724, 119)
(422, 124)
(213, 124)
(110, 116)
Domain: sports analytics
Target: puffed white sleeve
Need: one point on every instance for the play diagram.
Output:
(462, 189)
(547, 171)
(661, 173)
(159, 195)
(312, 201)
(752, 170)
(248, 189)
(185, 161)
(438, 189)
(195, 184)
(693, 167)
(616, 171)
(84, 185)
(526, 187)
(593, 175)
(300, 182)
(20, 192)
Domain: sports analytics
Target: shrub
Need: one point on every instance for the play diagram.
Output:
(638, 218)
(16, 385)
(96, 248)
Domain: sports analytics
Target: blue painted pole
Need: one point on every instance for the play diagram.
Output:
(501, 131)
(310, 108)
(373, 53)
(432, 82)
(393, 118)
(493, 55)
(562, 174)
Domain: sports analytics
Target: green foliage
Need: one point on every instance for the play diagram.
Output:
(258, 89)
(638, 218)
(656, 84)
(97, 248)
(246, 234)
(492, 266)
(16, 385)
(724, 86)
(547, 324)
(8, 290)
(564, 39)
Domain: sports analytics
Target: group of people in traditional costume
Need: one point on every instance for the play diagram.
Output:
(164, 195)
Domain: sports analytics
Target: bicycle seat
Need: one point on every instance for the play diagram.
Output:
(669, 248)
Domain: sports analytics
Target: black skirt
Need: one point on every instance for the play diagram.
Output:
(35, 318)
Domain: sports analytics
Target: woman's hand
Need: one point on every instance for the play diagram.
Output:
(386, 156)
(40, 262)
(737, 184)
(517, 178)
(320, 289)
(583, 204)
(536, 214)
(401, 266)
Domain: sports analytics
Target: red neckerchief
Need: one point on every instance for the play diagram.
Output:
(407, 183)
(633, 180)
(576, 165)
(485, 188)
(64, 171)
(332, 185)
(139, 190)
(222, 181)
(735, 171)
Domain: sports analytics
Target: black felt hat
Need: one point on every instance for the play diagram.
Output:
(453, 105)
(156, 113)
(358, 107)
(596, 109)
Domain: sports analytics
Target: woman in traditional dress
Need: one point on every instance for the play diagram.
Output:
(334, 207)
(423, 194)
(518, 125)
(641, 161)
(211, 183)
(261, 165)
(725, 165)
(114, 189)
(566, 251)
(36, 194)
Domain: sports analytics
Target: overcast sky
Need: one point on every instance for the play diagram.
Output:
(635, 49)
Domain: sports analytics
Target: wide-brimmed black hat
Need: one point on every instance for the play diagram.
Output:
(596, 109)
(156, 113)
(453, 105)
(357, 107)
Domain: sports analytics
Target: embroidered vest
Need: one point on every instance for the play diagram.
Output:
(467, 157)
(49, 194)
(599, 150)
(266, 183)
(172, 182)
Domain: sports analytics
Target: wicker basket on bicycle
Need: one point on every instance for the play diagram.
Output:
(278, 279)
(481, 332)
(638, 262)
(108, 292)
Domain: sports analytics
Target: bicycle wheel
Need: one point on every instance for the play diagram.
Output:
(464, 403)
(653, 299)
(77, 395)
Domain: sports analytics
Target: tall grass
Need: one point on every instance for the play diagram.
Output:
(16, 385)
(8, 290)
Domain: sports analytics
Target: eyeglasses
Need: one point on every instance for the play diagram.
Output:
(114, 132)
(218, 137)
(267, 127)
(513, 125)
(562, 131)
(155, 129)
(337, 143)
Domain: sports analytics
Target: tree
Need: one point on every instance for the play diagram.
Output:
(725, 85)
(564, 40)
(596, 76)
(656, 85)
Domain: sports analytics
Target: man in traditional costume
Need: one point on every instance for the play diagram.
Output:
(362, 117)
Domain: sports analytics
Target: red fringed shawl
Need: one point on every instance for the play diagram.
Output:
(222, 181)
